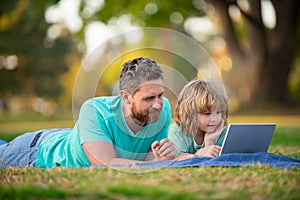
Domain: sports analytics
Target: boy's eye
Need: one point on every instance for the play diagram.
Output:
(206, 113)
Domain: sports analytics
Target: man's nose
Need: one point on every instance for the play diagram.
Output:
(157, 104)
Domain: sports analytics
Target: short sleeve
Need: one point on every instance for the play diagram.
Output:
(167, 112)
(182, 142)
(91, 123)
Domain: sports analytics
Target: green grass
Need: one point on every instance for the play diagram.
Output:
(247, 182)
(286, 141)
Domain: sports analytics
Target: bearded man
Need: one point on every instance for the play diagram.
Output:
(124, 129)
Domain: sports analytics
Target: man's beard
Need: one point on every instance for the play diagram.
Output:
(142, 118)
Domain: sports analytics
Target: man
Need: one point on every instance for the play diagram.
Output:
(128, 128)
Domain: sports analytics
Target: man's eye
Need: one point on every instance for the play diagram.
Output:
(149, 98)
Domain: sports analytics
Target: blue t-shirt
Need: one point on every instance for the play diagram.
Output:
(101, 119)
(186, 143)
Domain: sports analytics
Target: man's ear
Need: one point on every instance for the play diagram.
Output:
(125, 96)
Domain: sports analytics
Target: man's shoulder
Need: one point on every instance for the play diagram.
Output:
(103, 100)
(166, 103)
(103, 103)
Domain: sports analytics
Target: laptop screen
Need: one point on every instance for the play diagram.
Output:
(247, 138)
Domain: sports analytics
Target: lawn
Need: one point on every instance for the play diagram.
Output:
(247, 182)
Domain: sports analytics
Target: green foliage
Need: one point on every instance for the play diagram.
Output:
(136, 8)
(41, 60)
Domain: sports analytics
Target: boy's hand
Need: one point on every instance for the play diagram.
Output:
(185, 156)
(209, 151)
(210, 137)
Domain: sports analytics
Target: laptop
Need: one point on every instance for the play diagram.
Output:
(247, 138)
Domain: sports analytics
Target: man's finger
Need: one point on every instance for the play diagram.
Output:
(154, 147)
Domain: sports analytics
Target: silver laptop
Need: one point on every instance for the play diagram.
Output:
(247, 138)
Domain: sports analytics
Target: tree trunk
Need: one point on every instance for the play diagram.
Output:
(267, 60)
(281, 48)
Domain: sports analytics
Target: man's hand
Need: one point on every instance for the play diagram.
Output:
(163, 150)
(209, 151)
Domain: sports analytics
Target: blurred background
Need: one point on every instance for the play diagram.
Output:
(254, 44)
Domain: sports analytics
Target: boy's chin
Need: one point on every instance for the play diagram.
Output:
(211, 129)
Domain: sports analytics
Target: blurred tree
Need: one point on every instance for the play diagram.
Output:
(267, 55)
(264, 56)
(32, 52)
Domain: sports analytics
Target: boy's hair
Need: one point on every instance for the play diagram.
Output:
(137, 71)
(199, 97)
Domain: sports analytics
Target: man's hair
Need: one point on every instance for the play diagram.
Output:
(137, 71)
(199, 97)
